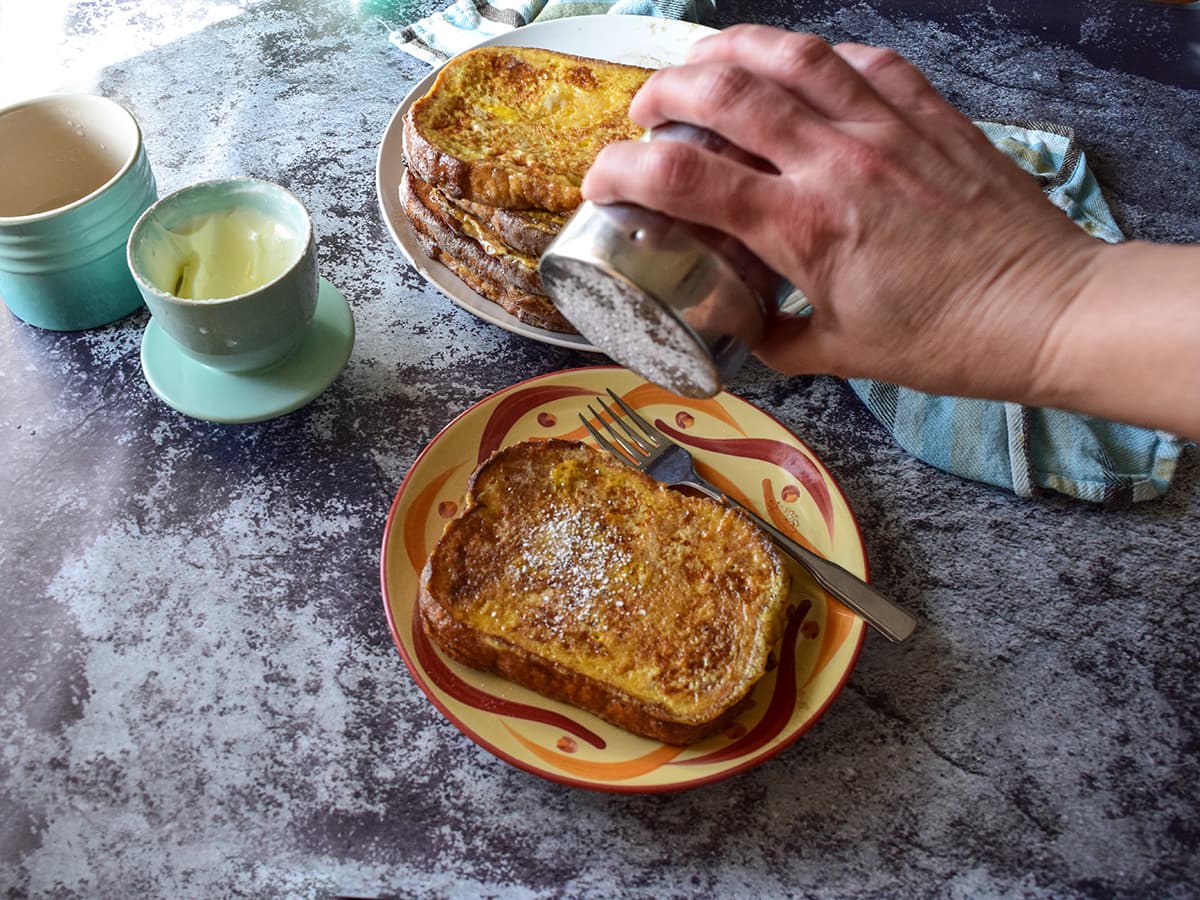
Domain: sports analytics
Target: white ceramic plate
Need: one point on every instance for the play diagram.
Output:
(635, 40)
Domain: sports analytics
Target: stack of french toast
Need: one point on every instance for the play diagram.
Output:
(496, 151)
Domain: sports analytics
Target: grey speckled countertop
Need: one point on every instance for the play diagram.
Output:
(199, 695)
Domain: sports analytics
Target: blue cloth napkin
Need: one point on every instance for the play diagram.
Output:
(1021, 448)
(1008, 445)
(465, 23)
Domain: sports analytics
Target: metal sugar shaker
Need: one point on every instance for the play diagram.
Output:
(680, 305)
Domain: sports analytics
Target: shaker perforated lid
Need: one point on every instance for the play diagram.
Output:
(651, 310)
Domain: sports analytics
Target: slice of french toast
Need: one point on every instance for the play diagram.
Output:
(443, 218)
(591, 583)
(518, 127)
(527, 231)
(498, 276)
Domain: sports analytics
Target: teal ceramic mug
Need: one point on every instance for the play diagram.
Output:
(74, 177)
(229, 271)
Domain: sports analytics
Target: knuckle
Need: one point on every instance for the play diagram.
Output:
(880, 65)
(727, 86)
(811, 221)
(804, 52)
(882, 59)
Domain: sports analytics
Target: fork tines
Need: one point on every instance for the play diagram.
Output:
(635, 444)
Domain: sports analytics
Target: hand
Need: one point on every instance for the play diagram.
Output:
(930, 259)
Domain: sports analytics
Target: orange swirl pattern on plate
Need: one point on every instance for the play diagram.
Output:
(746, 453)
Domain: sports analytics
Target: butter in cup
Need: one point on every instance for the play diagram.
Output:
(228, 269)
(220, 254)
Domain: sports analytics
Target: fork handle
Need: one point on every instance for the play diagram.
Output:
(892, 621)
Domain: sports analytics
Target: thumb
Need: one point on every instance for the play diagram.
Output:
(789, 346)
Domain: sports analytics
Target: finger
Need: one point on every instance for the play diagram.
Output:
(676, 131)
(906, 88)
(804, 64)
(748, 110)
(681, 180)
(872, 95)
(893, 77)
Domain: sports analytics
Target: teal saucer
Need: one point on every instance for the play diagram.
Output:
(203, 392)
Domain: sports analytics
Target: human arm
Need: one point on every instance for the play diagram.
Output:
(930, 259)
(1128, 346)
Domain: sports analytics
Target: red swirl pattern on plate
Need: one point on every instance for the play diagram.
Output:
(779, 708)
(509, 411)
(441, 675)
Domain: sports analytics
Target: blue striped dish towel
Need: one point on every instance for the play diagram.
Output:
(1021, 448)
(465, 23)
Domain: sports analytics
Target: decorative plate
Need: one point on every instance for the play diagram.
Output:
(636, 40)
(742, 450)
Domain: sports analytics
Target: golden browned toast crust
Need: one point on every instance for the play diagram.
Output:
(421, 200)
(527, 231)
(518, 127)
(532, 309)
(591, 583)
(487, 275)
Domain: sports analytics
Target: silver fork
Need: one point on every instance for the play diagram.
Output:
(649, 450)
